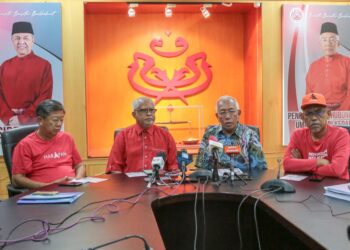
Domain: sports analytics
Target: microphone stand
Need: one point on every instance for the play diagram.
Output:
(233, 174)
(215, 175)
(154, 177)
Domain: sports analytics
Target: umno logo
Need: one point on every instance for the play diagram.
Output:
(144, 69)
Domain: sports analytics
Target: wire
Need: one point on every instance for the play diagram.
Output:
(238, 216)
(204, 217)
(195, 216)
(255, 216)
(147, 247)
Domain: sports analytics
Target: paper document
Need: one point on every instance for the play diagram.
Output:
(136, 174)
(293, 177)
(89, 180)
(60, 198)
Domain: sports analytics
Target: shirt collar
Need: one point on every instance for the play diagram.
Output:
(238, 131)
(140, 130)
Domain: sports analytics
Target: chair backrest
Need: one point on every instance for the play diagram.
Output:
(256, 129)
(9, 140)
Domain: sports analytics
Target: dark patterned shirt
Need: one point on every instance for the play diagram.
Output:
(250, 148)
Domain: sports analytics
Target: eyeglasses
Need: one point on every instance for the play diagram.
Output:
(146, 111)
(331, 39)
(317, 112)
(229, 111)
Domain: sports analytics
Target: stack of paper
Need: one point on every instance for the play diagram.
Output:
(59, 198)
(341, 191)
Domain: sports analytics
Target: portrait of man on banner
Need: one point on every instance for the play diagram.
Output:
(30, 60)
(316, 59)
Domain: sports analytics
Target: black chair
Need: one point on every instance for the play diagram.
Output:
(9, 140)
(255, 129)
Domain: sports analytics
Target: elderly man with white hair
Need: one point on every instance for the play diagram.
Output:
(231, 132)
(135, 146)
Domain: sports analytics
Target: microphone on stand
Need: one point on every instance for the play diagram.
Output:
(215, 147)
(232, 150)
(183, 159)
(158, 163)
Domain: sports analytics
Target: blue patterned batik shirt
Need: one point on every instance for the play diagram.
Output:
(251, 152)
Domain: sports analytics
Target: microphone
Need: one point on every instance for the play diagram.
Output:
(214, 148)
(157, 163)
(232, 150)
(183, 159)
(277, 184)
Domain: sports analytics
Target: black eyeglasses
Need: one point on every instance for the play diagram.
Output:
(317, 112)
(146, 111)
(229, 111)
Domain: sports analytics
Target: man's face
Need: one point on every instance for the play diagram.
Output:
(52, 124)
(23, 43)
(228, 115)
(329, 43)
(145, 114)
(315, 118)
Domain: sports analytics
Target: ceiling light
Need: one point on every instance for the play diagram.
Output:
(168, 11)
(205, 11)
(131, 9)
(257, 4)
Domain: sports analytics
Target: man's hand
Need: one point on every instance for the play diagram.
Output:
(14, 121)
(295, 153)
(66, 178)
(322, 162)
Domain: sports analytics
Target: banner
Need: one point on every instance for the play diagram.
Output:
(30, 60)
(316, 50)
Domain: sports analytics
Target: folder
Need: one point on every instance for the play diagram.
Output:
(60, 198)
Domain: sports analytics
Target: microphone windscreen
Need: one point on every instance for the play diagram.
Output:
(213, 138)
(161, 154)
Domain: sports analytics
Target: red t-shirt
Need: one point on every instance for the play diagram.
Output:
(46, 161)
(334, 146)
(135, 147)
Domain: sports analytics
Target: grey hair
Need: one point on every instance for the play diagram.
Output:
(226, 98)
(139, 101)
(336, 37)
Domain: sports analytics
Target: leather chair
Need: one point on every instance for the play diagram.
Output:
(9, 140)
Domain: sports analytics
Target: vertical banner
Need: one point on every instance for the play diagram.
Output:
(316, 50)
(30, 60)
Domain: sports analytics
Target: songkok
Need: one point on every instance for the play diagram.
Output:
(22, 27)
(313, 99)
(329, 27)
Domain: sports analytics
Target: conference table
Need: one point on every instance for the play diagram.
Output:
(165, 216)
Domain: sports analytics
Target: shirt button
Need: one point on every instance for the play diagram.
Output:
(146, 156)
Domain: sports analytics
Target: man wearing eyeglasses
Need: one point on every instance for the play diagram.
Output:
(134, 147)
(231, 132)
(330, 74)
(320, 149)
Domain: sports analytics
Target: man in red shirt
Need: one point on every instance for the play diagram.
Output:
(319, 148)
(25, 80)
(330, 74)
(47, 155)
(134, 147)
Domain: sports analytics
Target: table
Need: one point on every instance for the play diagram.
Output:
(287, 224)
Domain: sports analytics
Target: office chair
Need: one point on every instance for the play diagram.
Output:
(9, 140)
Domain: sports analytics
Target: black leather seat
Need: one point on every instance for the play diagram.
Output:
(9, 140)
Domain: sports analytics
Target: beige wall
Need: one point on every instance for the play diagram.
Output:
(74, 79)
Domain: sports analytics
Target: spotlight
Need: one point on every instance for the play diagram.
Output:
(257, 4)
(131, 9)
(205, 11)
(168, 11)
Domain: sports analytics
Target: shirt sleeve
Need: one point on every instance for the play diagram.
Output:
(171, 161)
(5, 112)
(46, 83)
(345, 105)
(339, 163)
(255, 152)
(291, 164)
(22, 162)
(202, 160)
(116, 159)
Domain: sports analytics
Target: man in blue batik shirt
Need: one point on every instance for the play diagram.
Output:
(231, 133)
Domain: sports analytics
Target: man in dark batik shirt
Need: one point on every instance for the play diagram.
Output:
(231, 133)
